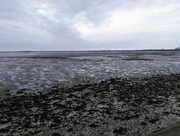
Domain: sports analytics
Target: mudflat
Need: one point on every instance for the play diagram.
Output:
(38, 71)
(117, 106)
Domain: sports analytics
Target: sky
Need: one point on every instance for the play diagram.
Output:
(61, 25)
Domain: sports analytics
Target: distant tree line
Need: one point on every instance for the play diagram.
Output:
(177, 49)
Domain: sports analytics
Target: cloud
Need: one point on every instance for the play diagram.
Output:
(121, 24)
(79, 24)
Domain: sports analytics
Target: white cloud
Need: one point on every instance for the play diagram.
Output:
(120, 24)
(97, 24)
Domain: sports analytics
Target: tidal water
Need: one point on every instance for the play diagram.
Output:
(38, 71)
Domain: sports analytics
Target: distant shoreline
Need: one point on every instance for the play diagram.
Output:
(55, 54)
(176, 49)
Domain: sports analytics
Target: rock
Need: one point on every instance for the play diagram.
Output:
(56, 120)
(155, 101)
(120, 130)
(55, 134)
(153, 121)
(143, 123)
(70, 129)
(93, 125)
(79, 108)
(4, 130)
(54, 125)
(130, 103)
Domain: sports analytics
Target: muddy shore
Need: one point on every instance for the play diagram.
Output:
(130, 106)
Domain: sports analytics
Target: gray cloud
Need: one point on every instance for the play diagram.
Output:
(85, 25)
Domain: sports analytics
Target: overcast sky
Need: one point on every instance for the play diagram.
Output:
(89, 24)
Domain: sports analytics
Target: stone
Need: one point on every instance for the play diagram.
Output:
(153, 121)
(55, 134)
(120, 130)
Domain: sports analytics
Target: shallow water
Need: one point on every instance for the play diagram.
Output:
(38, 71)
(172, 130)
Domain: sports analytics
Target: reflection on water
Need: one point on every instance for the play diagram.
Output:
(40, 70)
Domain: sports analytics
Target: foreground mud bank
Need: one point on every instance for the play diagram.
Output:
(136, 106)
